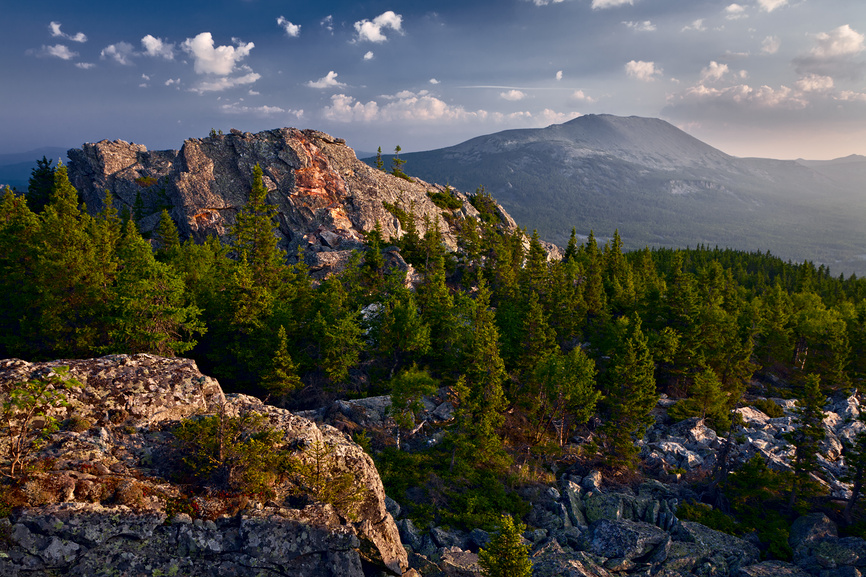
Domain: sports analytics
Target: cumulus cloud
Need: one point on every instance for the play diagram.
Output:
(172, 81)
(85, 65)
(225, 82)
(697, 26)
(645, 26)
(58, 51)
(346, 109)
(292, 30)
(735, 12)
(327, 81)
(771, 45)
(369, 55)
(548, 116)
(434, 81)
(157, 47)
(513, 95)
(372, 30)
(579, 97)
(815, 83)
(559, 74)
(770, 5)
(220, 60)
(405, 106)
(328, 23)
(602, 4)
(833, 54)
(644, 71)
(57, 33)
(713, 72)
(743, 95)
(122, 53)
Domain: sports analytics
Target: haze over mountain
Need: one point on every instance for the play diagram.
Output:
(660, 187)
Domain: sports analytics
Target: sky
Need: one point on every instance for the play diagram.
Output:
(769, 78)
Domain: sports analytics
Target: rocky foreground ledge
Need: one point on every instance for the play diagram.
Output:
(100, 501)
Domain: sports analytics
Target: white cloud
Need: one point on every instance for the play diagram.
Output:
(58, 51)
(851, 96)
(579, 97)
(369, 55)
(122, 53)
(172, 81)
(513, 95)
(770, 5)
(602, 4)
(220, 60)
(697, 26)
(238, 108)
(145, 77)
(546, 2)
(85, 65)
(292, 30)
(549, 116)
(743, 95)
(157, 47)
(328, 81)
(328, 23)
(559, 74)
(735, 12)
(833, 54)
(434, 81)
(771, 45)
(371, 31)
(815, 83)
(713, 72)
(57, 33)
(645, 71)
(252, 92)
(842, 41)
(645, 26)
(225, 82)
(346, 109)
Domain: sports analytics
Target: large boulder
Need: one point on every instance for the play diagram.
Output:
(116, 471)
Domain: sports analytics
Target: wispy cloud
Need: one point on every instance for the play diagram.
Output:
(602, 4)
(735, 12)
(771, 45)
(697, 26)
(834, 54)
(122, 53)
(54, 27)
(291, 30)
(714, 72)
(579, 97)
(264, 110)
(373, 30)
(327, 81)
(645, 26)
(369, 55)
(770, 5)
(58, 51)
(85, 65)
(225, 82)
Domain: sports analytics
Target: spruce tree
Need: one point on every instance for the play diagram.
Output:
(806, 438)
(506, 555)
(282, 380)
(167, 238)
(255, 236)
(40, 184)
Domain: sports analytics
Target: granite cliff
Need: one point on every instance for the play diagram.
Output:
(326, 198)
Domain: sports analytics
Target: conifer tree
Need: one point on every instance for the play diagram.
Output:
(806, 438)
(631, 392)
(167, 237)
(506, 555)
(40, 184)
(19, 308)
(336, 331)
(571, 250)
(282, 379)
(254, 236)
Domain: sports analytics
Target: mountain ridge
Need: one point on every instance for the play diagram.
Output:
(659, 186)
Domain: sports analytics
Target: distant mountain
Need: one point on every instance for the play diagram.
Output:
(660, 187)
(15, 168)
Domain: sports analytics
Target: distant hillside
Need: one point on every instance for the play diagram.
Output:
(15, 168)
(660, 187)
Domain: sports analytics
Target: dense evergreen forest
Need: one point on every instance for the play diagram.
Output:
(532, 351)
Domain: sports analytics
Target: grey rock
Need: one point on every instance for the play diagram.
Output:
(409, 534)
(626, 539)
(393, 507)
(809, 528)
(573, 504)
(458, 563)
(592, 482)
(448, 538)
(477, 539)
(770, 569)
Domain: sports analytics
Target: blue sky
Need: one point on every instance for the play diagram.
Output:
(770, 78)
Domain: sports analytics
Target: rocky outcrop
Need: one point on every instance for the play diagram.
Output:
(326, 199)
(100, 491)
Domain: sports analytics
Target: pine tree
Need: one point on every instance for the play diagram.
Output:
(379, 162)
(807, 437)
(631, 392)
(254, 236)
(506, 555)
(40, 184)
(167, 238)
(19, 307)
(282, 379)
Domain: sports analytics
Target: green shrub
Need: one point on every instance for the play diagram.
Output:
(445, 200)
(506, 555)
(712, 518)
(769, 408)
